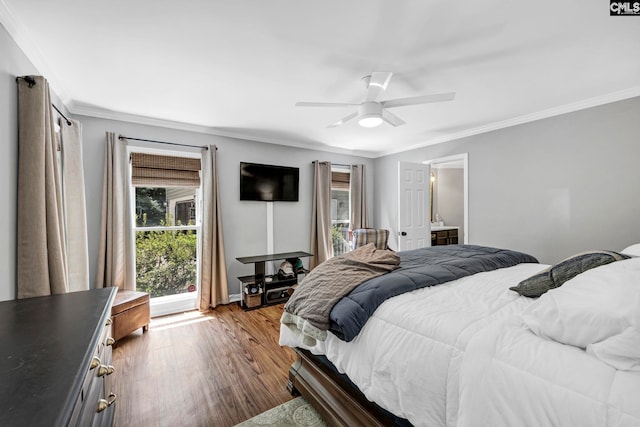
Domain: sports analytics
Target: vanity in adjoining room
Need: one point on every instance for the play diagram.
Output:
(444, 235)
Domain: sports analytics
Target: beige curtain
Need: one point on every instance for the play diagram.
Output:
(41, 252)
(213, 289)
(75, 214)
(357, 198)
(321, 244)
(116, 262)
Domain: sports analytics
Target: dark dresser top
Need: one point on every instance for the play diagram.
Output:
(46, 346)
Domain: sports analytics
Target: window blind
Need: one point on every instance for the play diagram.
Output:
(340, 180)
(153, 170)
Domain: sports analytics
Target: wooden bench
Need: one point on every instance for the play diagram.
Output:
(130, 311)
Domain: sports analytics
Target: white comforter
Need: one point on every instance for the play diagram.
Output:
(408, 356)
(511, 377)
(533, 370)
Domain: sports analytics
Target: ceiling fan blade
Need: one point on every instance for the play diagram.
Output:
(391, 118)
(424, 99)
(343, 120)
(378, 83)
(325, 104)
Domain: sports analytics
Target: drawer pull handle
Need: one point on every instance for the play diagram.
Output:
(105, 370)
(104, 404)
(110, 341)
(95, 362)
(109, 321)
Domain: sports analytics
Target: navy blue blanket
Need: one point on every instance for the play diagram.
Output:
(419, 268)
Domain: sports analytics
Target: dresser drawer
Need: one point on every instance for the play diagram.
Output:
(95, 393)
(97, 410)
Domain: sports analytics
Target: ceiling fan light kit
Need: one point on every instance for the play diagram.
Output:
(372, 113)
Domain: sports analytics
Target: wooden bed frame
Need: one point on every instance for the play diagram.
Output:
(335, 399)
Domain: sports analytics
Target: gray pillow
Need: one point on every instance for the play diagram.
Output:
(555, 276)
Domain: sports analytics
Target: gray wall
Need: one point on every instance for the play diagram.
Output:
(551, 188)
(244, 223)
(12, 63)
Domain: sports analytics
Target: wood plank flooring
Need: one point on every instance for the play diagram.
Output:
(215, 369)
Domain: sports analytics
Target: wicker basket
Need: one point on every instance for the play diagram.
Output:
(252, 301)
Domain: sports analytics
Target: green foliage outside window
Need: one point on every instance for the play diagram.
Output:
(340, 244)
(165, 261)
(150, 206)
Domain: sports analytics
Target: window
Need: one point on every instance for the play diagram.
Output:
(185, 211)
(340, 211)
(167, 229)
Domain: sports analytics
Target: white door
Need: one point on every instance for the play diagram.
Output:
(414, 226)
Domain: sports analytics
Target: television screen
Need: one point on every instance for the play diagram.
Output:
(268, 183)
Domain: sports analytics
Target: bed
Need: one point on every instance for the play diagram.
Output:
(429, 357)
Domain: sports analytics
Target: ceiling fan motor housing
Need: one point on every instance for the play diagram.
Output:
(370, 114)
(370, 109)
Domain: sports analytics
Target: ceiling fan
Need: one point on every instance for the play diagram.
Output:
(372, 113)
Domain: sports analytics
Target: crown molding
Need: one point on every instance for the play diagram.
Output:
(22, 38)
(544, 114)
(92, 111)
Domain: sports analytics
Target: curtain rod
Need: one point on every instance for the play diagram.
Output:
(165, 142)
(32, 82)
(61, 115)
(335, 164)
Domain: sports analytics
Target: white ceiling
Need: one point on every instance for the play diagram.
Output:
(238, 67)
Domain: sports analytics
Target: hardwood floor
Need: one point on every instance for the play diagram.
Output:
(215, 369)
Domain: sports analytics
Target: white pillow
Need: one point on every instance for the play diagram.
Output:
(633, 250)
(591, 307)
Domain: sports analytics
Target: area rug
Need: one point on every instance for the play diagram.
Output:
(294, 413)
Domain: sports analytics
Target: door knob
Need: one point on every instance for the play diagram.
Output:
(403, 233)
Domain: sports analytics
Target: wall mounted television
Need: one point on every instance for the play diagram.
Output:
(268, 183)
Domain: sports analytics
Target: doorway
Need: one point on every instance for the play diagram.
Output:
(449, 201)
(413, 203)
